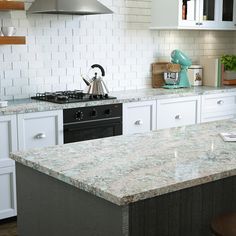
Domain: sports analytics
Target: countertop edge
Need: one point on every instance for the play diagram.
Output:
(126, 200)
(31, 106)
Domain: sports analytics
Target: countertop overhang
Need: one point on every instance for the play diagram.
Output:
(28, 105)
(127, 169)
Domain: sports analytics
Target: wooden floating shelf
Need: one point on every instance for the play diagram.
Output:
(11, 5)
(4, 40)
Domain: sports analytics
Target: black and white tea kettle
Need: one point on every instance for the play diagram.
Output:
(96, 85)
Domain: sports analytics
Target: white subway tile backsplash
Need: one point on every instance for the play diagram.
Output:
(62, 47)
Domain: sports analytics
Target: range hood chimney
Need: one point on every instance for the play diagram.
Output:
(68, 7)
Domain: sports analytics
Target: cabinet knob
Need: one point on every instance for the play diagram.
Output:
(138, 122)
(178, 117)
(200, 23)
(40, 136)
(220, 102)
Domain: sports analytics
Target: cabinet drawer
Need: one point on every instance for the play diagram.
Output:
(7, 192)
(218, 106)
(177, 112)
(41, 129)
(139, 117)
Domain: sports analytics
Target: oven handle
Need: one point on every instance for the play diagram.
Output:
(93, 121)
(79, 128)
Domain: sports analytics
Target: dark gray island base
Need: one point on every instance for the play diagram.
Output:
(49, 207)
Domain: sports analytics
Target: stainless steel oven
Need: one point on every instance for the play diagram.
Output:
(94, 122)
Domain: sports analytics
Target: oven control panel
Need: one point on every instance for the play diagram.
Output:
(92, 113)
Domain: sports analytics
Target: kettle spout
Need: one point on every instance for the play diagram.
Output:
(86, 81)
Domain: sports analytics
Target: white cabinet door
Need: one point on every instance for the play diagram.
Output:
(8, 139)
(42, 129)
(209, 14)
(218, 107)
(7, 192)
(184, 21)
(227, 14)
(178, 112)
(139, 117)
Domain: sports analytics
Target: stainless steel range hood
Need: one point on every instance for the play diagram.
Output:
(75, 7)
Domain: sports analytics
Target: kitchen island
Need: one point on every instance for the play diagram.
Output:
(162, 183)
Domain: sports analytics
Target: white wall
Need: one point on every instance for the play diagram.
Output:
(60, 48)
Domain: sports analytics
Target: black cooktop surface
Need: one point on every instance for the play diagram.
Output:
(63, 97)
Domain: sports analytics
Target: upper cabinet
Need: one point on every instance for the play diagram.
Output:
(194, 14)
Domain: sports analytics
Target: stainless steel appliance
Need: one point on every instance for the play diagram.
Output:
(62, 97)
(171, 78)
(75, 7)
(87, 123)
(96, 85)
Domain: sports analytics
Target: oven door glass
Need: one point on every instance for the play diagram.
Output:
(91, 130)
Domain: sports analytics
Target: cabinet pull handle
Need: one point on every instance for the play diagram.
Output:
(40, 136)
(200, 23)
(178, 117)
(138, 122)
(197, 23)
(220, 102)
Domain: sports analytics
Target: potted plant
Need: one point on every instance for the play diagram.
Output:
(229, 63)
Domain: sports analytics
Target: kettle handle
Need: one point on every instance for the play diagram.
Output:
(100, 67)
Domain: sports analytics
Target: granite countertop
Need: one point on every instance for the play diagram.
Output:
(28, 105)
(126, 169)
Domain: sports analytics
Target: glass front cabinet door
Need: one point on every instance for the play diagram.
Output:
(228, 14)
(189, 13)
(209, 16)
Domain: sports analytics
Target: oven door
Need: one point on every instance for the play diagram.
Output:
(92, 130)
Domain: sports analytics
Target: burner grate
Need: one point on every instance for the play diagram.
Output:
(69, 96)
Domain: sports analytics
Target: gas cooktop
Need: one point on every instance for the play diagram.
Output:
(63, 97)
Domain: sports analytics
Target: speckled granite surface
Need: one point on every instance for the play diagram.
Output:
(127, 169)
(28, 105)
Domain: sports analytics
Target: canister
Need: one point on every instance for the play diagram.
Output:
(195, 73)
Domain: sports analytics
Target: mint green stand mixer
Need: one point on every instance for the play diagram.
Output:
(178, 57)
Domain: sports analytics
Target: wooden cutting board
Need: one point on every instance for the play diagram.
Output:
(158, 69)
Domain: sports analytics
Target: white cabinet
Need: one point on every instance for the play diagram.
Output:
(8, 139)
(7, 192)
(33, 130)
(178, 112)
(218, 107)
(8, 143)
(139, 117)
(42, 129)
(194, 14)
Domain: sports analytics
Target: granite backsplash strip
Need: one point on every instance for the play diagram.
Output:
(126, 169)
(28, 105)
